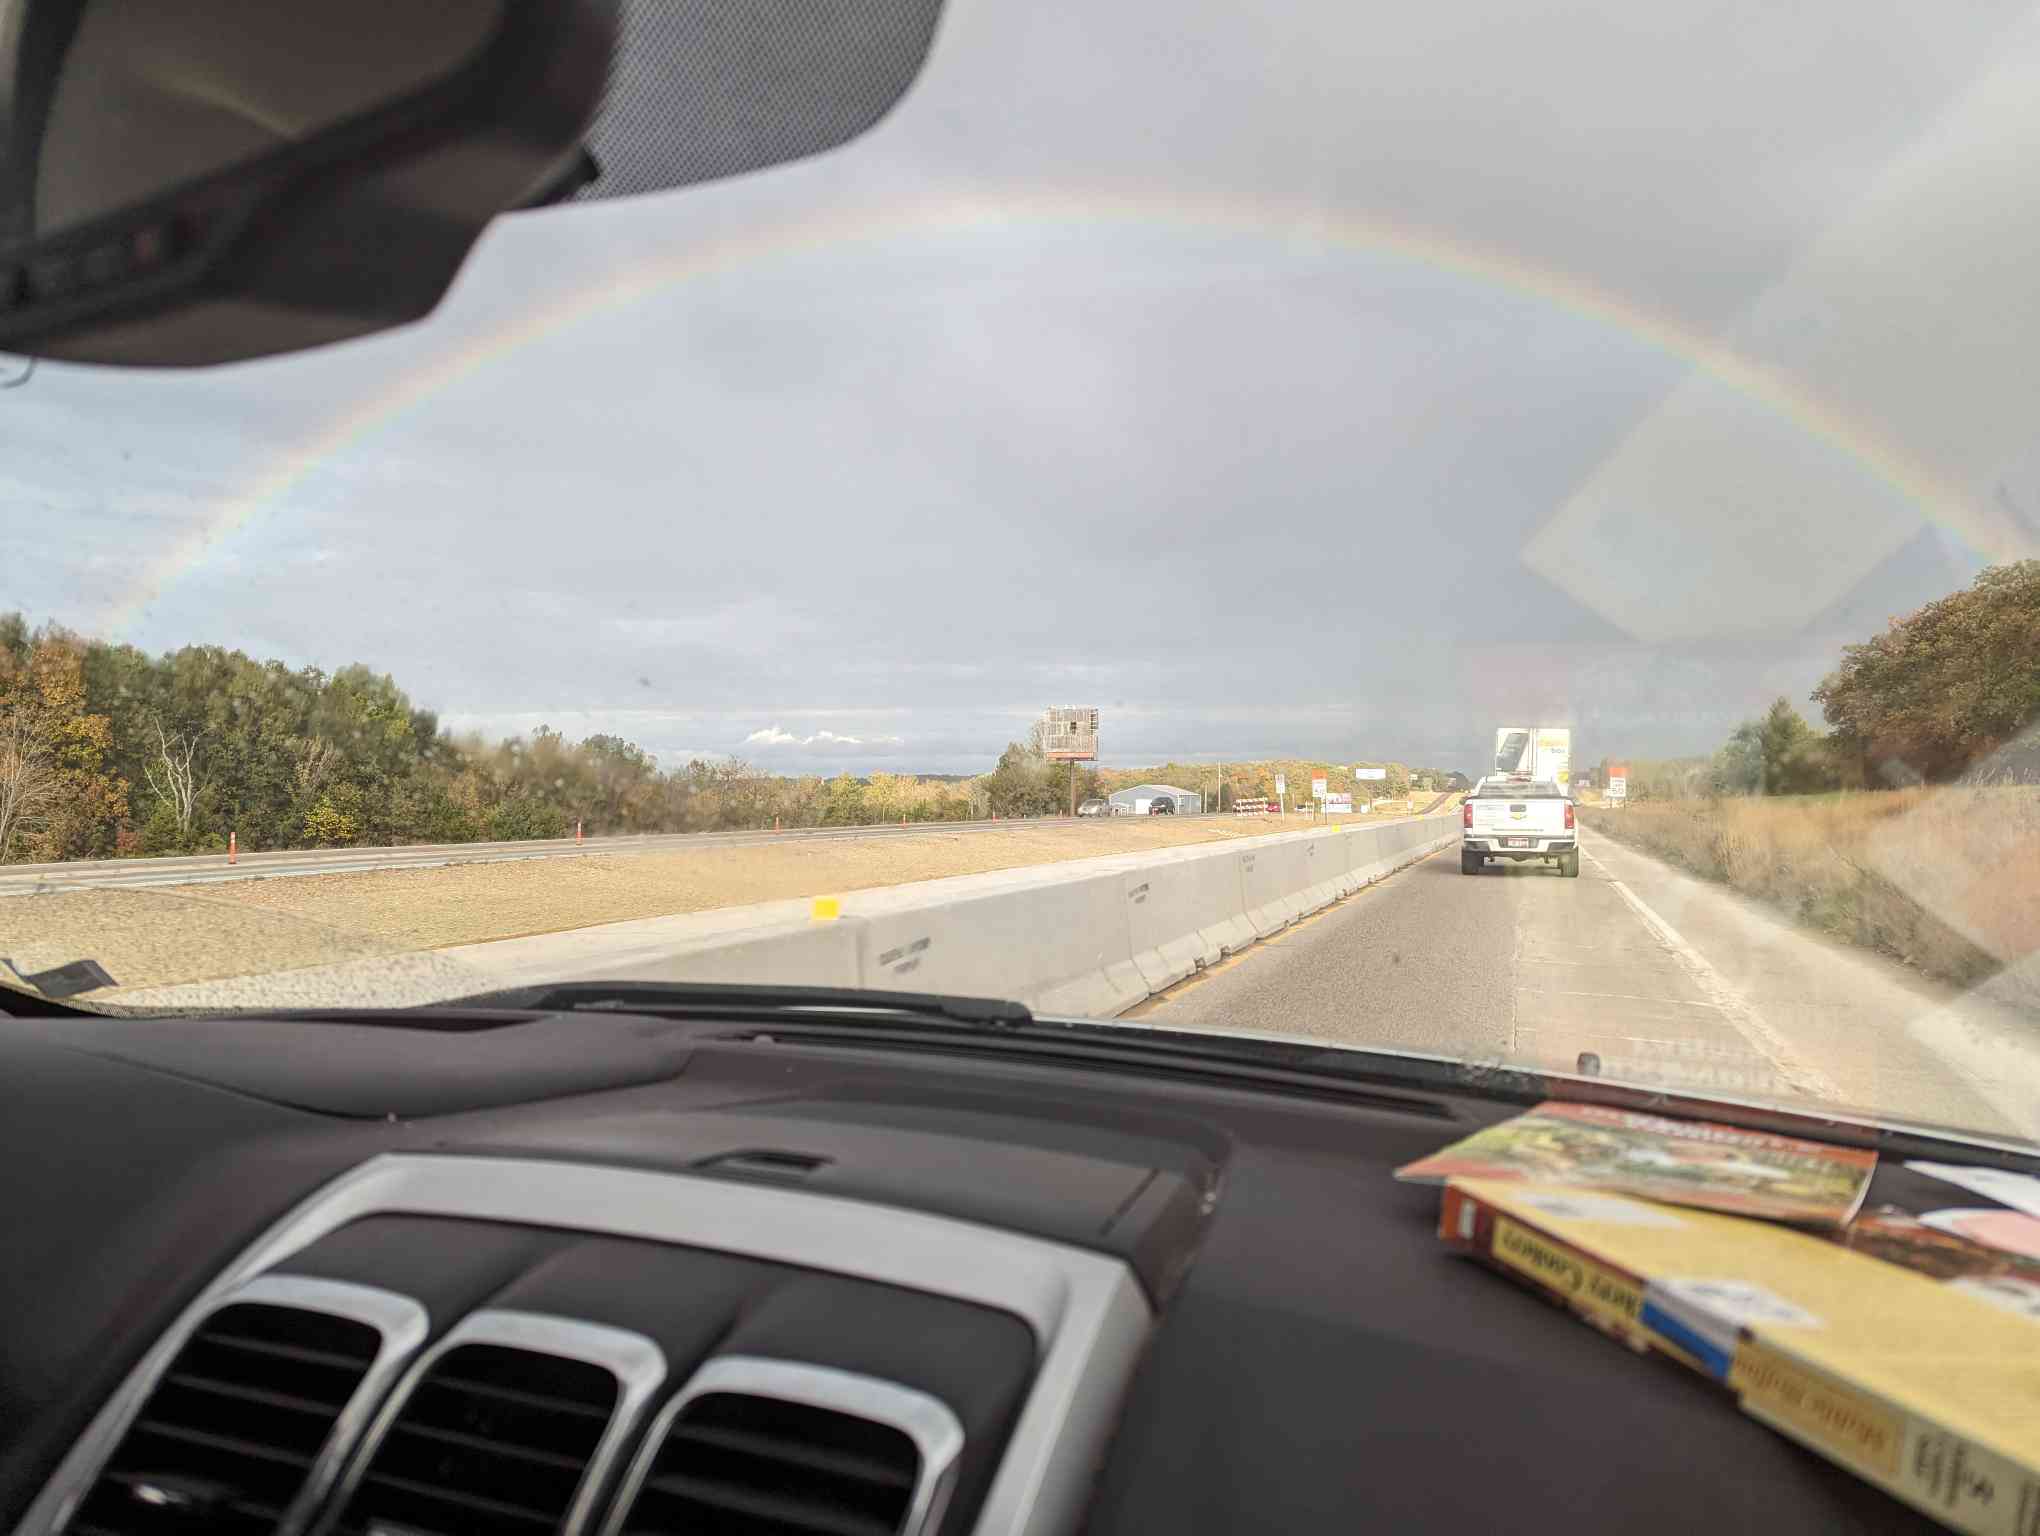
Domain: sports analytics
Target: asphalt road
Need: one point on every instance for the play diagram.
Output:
(1667, 980)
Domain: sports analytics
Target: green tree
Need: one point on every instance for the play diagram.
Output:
(1944, 686)
(1777, 753)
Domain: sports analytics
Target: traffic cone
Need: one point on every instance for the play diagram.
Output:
(233, 848)
(775, 823)
(577, 832)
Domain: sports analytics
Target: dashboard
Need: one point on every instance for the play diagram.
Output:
(609, 1272)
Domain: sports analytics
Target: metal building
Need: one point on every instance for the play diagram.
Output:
(1139, 799)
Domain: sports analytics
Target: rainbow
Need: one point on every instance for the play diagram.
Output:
(1985, 528)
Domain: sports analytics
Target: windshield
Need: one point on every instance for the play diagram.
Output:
(1248, 427)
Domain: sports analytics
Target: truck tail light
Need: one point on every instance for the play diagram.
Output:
(1466, 814)
(1568, 816)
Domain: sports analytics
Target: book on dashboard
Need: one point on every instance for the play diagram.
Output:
(1682, 1162)
(1929, 1392)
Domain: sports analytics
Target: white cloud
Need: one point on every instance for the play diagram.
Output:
(773, 736)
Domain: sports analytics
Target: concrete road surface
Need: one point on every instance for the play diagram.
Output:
(1668, 980)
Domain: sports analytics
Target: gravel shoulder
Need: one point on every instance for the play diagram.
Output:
(161, 936)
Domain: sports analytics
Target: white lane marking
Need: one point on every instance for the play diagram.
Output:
(1750, 1024)
(1621, 997)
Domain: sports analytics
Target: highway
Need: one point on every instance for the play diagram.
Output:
(201, 869)
(1666, 979)
(27, 879)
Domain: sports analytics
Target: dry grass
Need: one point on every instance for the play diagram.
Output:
(1945, 879)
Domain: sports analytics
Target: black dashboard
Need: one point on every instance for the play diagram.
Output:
(605, 1271)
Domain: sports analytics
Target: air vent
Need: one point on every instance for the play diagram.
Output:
(244, 1427)
(758, 1447)
(505, 1427)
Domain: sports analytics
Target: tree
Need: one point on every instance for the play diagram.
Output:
(1944, 686)
(56, 798)
(173, 776)
(1778, 753)
(1023, 783)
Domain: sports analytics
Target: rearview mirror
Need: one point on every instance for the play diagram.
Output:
(199, 181)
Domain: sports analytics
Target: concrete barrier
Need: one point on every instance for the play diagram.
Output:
(1326, 868)
(1271, 882)
(1090, 937)
(1059, 945)
(1184, 914)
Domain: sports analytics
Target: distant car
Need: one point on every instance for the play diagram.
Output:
(1095, 807)
(1162, 807)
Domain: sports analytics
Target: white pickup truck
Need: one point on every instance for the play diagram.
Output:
(1518, 819)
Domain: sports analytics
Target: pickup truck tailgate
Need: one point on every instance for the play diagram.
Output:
(1532, 817)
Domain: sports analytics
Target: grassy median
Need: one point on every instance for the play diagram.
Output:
(1945, 879)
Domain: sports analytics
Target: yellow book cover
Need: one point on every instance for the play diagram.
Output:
(1928, 1392)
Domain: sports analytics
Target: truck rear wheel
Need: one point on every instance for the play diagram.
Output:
(1469, 863)
(1569, 864)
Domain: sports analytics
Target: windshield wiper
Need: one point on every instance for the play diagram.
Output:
(727, 999)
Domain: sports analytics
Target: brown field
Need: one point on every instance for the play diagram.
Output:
(1945, 879)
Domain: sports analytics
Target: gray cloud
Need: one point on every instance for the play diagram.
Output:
(1309, 379)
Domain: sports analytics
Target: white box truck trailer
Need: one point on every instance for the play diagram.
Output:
(1542, 753)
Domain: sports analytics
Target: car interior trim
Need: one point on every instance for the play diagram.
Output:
(634, 1360)
(925, 1420)
(1087, 1311)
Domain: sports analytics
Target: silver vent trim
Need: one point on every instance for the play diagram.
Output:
(925, 1420)
(1089, 1316)
(638, 1365)
(401, 1321)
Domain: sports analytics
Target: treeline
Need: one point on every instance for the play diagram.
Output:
(1947, 693)
(107, 751)
(1256, 780)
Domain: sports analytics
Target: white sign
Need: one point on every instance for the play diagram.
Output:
(1281, 785)
(1370, 773)
(1317, 786)
(1338, 805)
(1618, 787)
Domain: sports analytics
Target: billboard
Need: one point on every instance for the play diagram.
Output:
(1070, 735)
(1338, 805)
(1370, 773)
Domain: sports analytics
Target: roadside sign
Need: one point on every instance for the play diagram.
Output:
(1317, 786)
(1281, 785)
(1618, 782)
(1070, 735)
(1370, 773)
(1338, 805)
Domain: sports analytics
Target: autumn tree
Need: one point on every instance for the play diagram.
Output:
(57, 800)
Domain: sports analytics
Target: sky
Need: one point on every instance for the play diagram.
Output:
(1316, 379)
